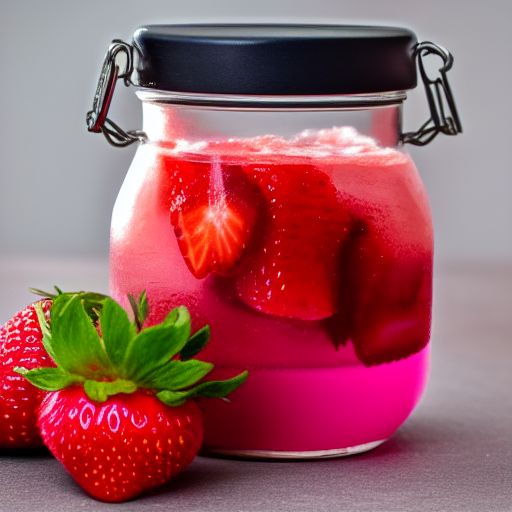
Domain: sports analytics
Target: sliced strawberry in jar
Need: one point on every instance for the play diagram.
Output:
(211, 238)
(386, 266)
(340, 325)
(293, 271)
(385, 300)
(182, 182)
(214, 210)
(393, 302)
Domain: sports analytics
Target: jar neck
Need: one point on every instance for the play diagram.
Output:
(166, 118)
(254, 102)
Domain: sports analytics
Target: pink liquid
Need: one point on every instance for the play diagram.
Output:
(316, 409)
(337, 356)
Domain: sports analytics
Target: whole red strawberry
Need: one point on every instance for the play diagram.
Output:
(119, 419)
(119, 448)
(20, 345)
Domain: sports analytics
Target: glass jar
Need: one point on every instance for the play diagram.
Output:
(272, 196)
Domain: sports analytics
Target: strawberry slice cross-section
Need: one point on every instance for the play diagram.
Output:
(214, 210)
(211, 237)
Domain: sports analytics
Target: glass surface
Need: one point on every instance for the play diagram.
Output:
(304, 239)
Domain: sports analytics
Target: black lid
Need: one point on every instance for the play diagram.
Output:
(274, 59)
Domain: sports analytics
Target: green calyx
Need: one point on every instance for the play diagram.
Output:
(101, 349)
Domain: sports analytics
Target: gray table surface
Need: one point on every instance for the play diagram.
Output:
(453, 454)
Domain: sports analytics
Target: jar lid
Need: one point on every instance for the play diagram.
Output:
(274, 59)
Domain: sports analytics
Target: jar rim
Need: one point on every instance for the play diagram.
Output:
(273, 103)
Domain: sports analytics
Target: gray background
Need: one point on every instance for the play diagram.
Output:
(58, 183)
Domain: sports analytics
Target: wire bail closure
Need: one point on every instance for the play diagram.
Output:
(438, 94)
(97, 120)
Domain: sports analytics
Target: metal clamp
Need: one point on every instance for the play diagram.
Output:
(97, 120)
(438, 94)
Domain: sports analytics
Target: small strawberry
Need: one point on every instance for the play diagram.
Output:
(117, 416)
(214, 209)
(20, 345)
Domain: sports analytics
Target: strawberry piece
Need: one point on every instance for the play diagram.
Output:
(294, 272)
(340, 325)
(211, 238)
(122, 447)
(214, 209)
(386, 307)
(181, 182)
(393, 303)
(20, 345)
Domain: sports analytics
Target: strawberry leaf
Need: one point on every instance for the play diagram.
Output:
(77, 347)
(42, 293)
(196, 343)
(171, 317)
(45, 330)
(155, 346)
(143, 307)
(100, 391)
(218, 389)
(173, 398)
(135, 310)
(176, 375)
(49, 379)
(117, 331)
(140, 308)
(211, 389)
